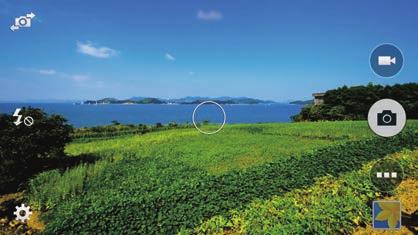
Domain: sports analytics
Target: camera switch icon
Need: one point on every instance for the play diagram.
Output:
(23, 22)
(386, 60)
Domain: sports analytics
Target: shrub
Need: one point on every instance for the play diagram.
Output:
(50, 188)
(172, 125)
(24, 150)
(115, 122)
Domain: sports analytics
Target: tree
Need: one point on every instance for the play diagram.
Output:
(172, 125)
(115, 123)
(353, 103)
(24, 150)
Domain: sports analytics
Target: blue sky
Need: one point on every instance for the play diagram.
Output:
(279, 50)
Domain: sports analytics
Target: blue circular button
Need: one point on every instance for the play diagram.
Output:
(386, 60)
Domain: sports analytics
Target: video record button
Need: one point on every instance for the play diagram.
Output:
(386, 60)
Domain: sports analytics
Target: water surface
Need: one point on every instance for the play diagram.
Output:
(93, 115)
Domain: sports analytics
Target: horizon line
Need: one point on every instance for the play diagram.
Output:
(54, 100)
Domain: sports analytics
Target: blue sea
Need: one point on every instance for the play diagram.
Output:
(94, 115)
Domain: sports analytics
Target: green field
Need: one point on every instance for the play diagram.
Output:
(173, 181)
(236, 147)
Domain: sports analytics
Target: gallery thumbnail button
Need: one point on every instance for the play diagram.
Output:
(387, 215)
(386, 60)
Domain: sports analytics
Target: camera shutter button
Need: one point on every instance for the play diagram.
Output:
(386, 118)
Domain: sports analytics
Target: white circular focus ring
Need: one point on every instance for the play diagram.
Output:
(205, 132)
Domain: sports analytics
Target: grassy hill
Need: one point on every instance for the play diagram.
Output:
(173, 181)
(235, 147)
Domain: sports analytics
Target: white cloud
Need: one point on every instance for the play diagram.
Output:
(47, 72)
(98, 52)
(211, 15)
(57, 74)
(91, 85)
(38, 71)
(100, 84)
(170, 57)
(79, 77)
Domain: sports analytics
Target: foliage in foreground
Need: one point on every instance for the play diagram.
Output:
(24, 149)
(49, 188)
(169, 197)
(238, 147)
(333, 205)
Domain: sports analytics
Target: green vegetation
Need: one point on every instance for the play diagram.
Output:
(353, 103)
(25, 151)
(235, 147)
(302, 102)
(171, 181)
(50, 187)
(158, 199)
(87, 134)
(332, 205)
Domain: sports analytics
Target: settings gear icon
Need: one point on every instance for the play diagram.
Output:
(22, 213)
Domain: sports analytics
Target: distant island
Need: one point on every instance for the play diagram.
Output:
(185, 100)
(302, 102)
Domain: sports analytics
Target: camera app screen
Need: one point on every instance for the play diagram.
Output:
(208, 117)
